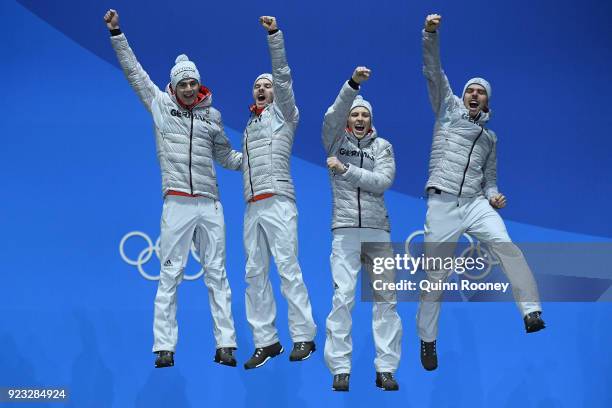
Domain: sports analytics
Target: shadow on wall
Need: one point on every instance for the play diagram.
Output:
(92, 383)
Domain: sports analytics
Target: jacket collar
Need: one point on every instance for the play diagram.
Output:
(481, 119)
(364, 141)
(257, 111)
(203, 99)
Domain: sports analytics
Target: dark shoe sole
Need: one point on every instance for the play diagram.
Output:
(265, 361)
(163, 365)
(225, 363)
(536, 327)
(429, 368)
(387, 389)
(340, 389)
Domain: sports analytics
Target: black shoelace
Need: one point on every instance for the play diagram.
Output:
(386, 377)
(429, 348)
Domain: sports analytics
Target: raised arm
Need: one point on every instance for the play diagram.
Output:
(379, 179)
(336, 116)
(284, 99)
(137, 77)
(222, 148)
(440, 93)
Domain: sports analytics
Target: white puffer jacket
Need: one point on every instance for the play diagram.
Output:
(187, 141)
(463, 158)
(268, 137)
(358, 193)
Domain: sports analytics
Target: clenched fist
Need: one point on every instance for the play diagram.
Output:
(361, 74)
(111, 18)
(336, 165)
(268, 22)
(432, 22)
(498, 201)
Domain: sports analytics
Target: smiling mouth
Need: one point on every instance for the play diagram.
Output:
(359, 128)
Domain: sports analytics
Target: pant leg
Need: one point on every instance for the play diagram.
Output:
(485, 224)
(278, 219)
(386, 323)
(211, 240)
(442, 230)
(259, 297)
(345, 262)
(179, 216)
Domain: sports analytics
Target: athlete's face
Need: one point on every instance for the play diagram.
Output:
(360, 121)
(263, 93)
(187, 91)
(475, 99)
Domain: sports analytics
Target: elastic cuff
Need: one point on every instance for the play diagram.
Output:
(115, 31)
(353, 84)
(273, 31)
(303, 339)
(386, 370)
(162, 348)
(262, 345)
(231, 345)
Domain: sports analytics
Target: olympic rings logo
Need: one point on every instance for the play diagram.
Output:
(474, 250)
(145, 255)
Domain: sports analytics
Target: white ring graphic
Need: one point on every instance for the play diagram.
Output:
(145, 255)
(473, 247)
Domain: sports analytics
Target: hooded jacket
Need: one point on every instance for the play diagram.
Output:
(268, 137)
(358, 194)
(187, 139)
(463, 158)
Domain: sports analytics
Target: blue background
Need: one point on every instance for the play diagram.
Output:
(80, 171)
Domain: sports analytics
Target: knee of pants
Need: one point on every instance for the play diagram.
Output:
(385, 296)
(285, 262)
(256, 267)
(507, 249)
(434, 278)
(170, 276)
(344, 297)
(214, 274)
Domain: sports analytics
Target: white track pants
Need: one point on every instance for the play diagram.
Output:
(445, 223)
(183, 220)
(386, 324)
(270, 228)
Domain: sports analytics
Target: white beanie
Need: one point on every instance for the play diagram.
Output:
(267, 76)
(183, 69)
(360, 102)
(479, 81)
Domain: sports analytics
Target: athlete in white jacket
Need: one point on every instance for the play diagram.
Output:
(270, 220)
(189, 135)
(463, 195)
(362, 168)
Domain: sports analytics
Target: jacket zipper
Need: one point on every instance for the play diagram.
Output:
(190, 148)
(468, 164)
(246, 143)
(358, 188)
